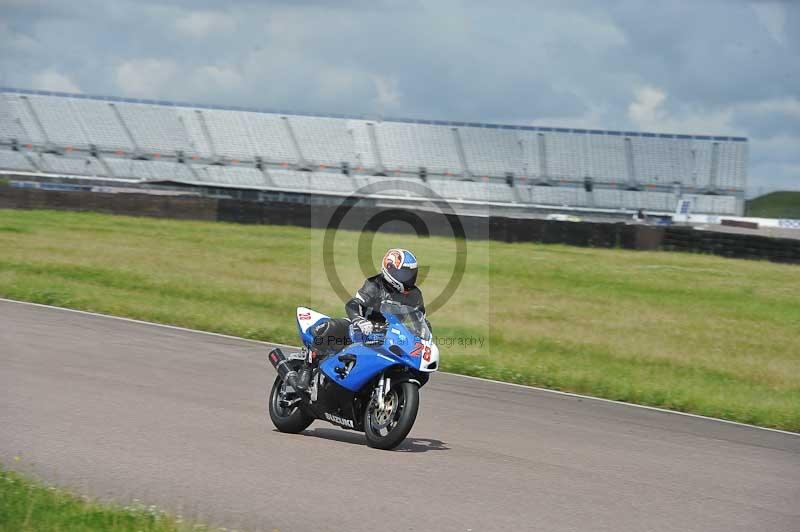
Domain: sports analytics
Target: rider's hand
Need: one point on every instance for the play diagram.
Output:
(363, 325)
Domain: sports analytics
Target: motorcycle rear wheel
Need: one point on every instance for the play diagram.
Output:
(291, 419)
(388, 428)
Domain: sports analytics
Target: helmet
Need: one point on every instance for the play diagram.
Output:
(399, 269)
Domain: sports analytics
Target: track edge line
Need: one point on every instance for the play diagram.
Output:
(525, 386)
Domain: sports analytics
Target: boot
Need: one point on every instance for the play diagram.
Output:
(299, 380)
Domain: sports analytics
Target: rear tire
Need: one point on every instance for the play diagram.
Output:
(388, 430)
(292, 419)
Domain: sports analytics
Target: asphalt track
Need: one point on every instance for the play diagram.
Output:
(126, 410)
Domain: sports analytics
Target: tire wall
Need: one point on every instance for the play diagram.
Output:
(585, 234)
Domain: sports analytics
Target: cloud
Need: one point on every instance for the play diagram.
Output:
(200, 24)
(772, 16)
(773, 175)
(387, 94)
(53, 81)
(145, 78)
(769, 119)
(222, 77)
(712, 67)
(650, 112)
(334, 83)
(9, 4)
(17, 42)
(646, 111)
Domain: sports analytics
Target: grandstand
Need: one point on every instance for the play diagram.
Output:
(117, 139)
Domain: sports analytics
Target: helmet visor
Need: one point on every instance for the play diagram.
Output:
(407, 276)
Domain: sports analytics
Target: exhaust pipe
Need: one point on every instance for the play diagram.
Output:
(279, 362)
(286, 373)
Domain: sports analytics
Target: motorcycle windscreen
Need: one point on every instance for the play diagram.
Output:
(411, 318)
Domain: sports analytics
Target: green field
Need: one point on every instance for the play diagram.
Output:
(775, 205)
(694, 333)
(30, 506)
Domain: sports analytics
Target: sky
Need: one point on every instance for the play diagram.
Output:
(726, 67)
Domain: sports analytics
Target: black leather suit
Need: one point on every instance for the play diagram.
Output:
(333, 335)
(367, 301)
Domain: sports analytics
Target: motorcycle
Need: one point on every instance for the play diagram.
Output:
(371, 385)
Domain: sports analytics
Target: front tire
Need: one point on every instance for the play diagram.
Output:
(292, 419)
(388, 428)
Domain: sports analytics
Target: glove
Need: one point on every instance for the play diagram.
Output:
(363, 325)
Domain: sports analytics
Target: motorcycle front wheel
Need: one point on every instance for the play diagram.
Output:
(386, 428)
(292, 419)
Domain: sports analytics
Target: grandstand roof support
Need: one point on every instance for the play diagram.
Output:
(544, 175)
(630, 167)
(373, 142)
(109, 172)
(193, 171)
(31, 159)
(301, 161)
(207, 134)
(125, 128)
(516, 194)
(268, 182)
(462, 156)
(81, 124)
(29, 107)
(714, 170)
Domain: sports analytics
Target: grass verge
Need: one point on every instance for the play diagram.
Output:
(695, 333)
(30, 506)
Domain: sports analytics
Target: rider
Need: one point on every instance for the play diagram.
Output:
(397, 281)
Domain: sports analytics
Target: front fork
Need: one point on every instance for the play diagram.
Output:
(384, 385)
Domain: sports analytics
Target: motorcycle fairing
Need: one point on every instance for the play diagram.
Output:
(369, 362)
(409, 349)
(338, 402)
(307, 319)
(398, 348)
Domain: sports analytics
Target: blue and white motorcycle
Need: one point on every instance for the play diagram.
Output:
(371, 385)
